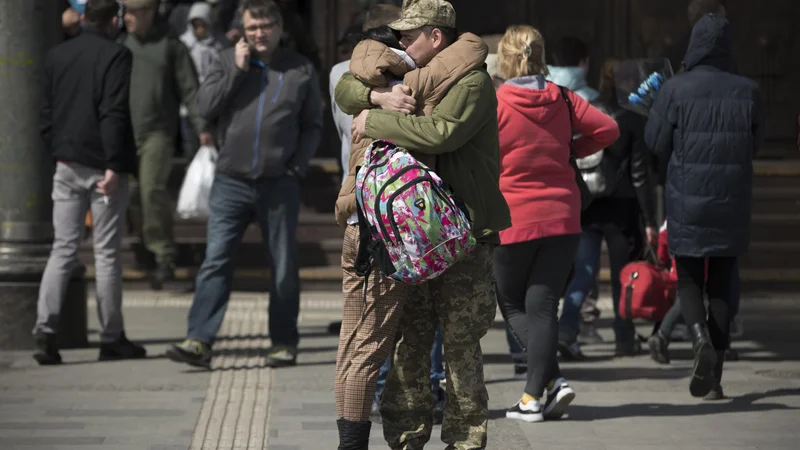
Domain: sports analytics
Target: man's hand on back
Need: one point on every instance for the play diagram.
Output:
(360, 125)
(397, 99)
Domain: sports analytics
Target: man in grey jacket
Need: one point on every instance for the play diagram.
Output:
(266, 103)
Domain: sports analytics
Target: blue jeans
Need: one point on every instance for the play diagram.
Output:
(234, 202)
(189, 140)
(587, 266)
(437, 367)
(518, 355)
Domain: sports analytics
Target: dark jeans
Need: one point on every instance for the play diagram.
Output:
(530, 277)
(587, 266)
(691, 272)
(234, 202)
(437, 369)
(190, 143)
(674, 315)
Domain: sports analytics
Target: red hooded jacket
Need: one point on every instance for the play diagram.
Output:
(536, 178)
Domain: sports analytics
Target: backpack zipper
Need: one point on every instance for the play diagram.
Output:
(391, 180)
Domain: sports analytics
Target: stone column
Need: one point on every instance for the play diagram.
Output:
(28, 29)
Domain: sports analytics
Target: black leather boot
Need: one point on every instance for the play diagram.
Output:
(716, 390)
(353, 435)
(705, 359)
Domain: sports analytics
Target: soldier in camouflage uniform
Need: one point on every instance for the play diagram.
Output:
(461, 137)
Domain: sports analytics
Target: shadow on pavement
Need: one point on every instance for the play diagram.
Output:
(744, 403)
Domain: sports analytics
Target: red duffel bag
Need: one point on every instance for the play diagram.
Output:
(644, 292)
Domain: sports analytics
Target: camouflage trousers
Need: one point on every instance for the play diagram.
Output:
(462, 302)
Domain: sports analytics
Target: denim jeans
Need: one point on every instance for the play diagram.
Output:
(234, 202)
(587, 266)
(437, 367)
(518, 355)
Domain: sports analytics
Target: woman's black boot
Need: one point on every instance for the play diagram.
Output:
(705, 359)
(353, 435)
(716, 390)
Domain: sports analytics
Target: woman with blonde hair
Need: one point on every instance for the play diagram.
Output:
(536, 122)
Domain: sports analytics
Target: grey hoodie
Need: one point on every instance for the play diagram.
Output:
(269, 118)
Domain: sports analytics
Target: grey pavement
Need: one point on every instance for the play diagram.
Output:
(628, 403)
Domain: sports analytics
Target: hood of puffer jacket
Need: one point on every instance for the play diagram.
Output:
(376, 64)
(574, 79)
(711, 44)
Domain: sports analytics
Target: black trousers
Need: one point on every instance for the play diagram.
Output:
(691, 286)
(530, 278)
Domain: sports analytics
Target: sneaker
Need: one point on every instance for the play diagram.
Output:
(122, 348)
(375, 413)
(658, 345)
(192, 352)
(281, 357)
(558, 399)
(527, 412)
(589, 335)
(570, 351)
(731, 355)
(46, 353)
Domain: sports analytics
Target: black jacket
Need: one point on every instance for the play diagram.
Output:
(635, 180)
(85, 116)
(706, 125)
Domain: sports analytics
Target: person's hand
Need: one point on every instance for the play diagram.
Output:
(70, 21)
(109, 184)
(242, 55)
(232, 35)
(397, 99)
(360, 125)
(651, 233)
(206, 139)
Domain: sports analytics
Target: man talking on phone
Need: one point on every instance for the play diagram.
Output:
(266, 102)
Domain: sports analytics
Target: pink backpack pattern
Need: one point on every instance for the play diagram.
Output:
(407, 207)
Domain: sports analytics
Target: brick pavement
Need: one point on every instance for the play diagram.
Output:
(154, 405)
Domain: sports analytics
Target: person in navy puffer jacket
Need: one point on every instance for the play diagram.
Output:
(706, 125)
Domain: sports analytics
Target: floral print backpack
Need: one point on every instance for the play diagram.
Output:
(411, 224)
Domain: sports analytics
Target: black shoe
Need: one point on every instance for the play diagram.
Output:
(192, 352)
(570, 351)
(164, 273)
(353, 435)
(46, 353)
(122, 348)
(335, 327)
(705, 359)
(716, 388)
(627, 349)
(530, 412)
(281, 357)
(659, 348)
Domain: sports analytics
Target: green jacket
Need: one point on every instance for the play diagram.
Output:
(162, 77)
(462, 135)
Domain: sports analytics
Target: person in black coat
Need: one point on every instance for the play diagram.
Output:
(706, 125)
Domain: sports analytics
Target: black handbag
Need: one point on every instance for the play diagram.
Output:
(586, 194)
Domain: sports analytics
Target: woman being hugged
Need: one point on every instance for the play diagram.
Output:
(536, 125)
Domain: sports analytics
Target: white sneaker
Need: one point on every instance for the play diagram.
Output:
(558, 399)
(527, 412)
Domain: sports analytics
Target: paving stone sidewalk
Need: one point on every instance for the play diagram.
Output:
(623, 404)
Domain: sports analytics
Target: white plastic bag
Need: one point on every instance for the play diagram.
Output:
(196, 188)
